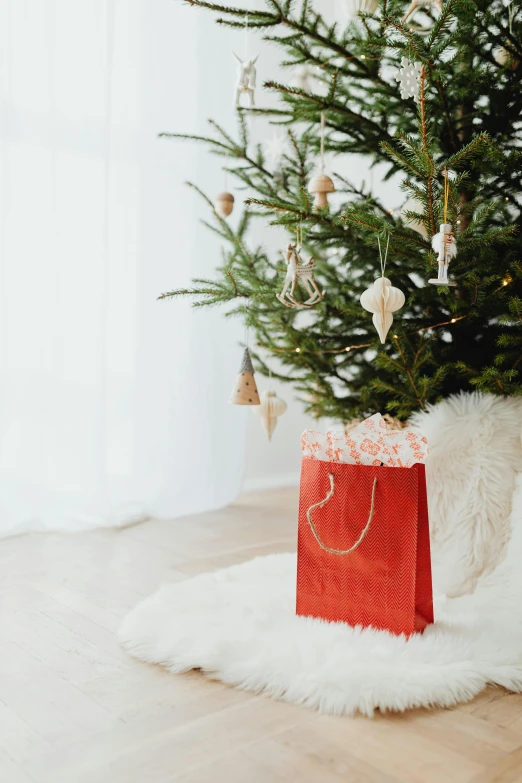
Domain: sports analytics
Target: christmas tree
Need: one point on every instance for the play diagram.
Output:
(456, 148)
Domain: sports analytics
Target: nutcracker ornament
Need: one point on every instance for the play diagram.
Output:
(444, 243)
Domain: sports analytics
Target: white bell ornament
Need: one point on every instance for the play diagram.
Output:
(382, 299)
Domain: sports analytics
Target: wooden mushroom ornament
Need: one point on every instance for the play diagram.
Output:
(382, 299)
(320, 185)
(245, 388)
(270, 408)
(224, 204)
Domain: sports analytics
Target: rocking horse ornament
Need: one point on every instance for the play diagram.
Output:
(298, 272)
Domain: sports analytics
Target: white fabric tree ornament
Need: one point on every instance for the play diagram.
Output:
(382, 299)
(270, 408)
(408, 76)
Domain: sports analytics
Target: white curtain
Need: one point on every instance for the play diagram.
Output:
(113, 406)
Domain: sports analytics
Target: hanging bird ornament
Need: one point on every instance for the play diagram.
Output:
(246, 74)
(382, 299)
(269, 410)
(321, 184)
(298, 272)
(444, 243)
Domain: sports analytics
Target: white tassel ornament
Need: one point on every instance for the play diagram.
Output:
(270, 408)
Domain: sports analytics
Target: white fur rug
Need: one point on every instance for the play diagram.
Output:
(239, 624)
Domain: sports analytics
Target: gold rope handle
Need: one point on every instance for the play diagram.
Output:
(323, 503)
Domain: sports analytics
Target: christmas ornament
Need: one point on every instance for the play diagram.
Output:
(444, 243)
(445, 246)
(224, 204)
(321, 184)
(382, 299)
(408, 77)
(270, 408)
(246, 73)
(506, 59)
(298, 272)
(246, 79)
(245, 388)
(353, 8)
(429, 7)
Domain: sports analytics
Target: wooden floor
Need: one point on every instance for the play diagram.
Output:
(75, 708)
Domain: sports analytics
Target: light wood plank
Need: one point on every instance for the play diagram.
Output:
(76, 708)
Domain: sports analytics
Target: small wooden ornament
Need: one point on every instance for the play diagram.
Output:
(224, 204)
(445, 246)
(270, 408)
(382, 299)
(320, 185)
(245, 388)
(298, 272)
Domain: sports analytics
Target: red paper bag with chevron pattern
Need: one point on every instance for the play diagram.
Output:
(363, 554)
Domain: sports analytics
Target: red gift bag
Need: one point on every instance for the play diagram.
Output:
(363, 553)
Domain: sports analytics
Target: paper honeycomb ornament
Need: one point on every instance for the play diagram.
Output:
(270, 408)
(382, 299)
(245, 388)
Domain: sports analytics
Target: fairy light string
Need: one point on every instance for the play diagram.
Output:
(349, 348)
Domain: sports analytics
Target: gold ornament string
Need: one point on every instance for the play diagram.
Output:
(446, 195)
(322, 142)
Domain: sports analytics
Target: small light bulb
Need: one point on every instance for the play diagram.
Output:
(347, 348)
(396, 336)
(453, 320)
(504, 282)
(458, 222)
(363, 57)
(506, 199)
(390, 212)
(298, 350)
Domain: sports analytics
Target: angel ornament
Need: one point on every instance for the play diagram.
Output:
(382, 299)
(298, 272)
(246, 79)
